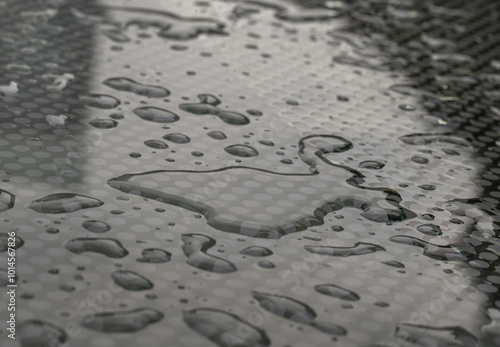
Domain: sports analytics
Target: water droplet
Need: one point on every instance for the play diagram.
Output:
(177, 138)
(266, 143)
(157, 144)
(337, 292)
(430, 229)
(108, 247)
(155, 114)
(135, 155)
(130, 280)
(195, 247)
(359, 248)
(100, 101)
(337, 228)
(425, 139)
(64, 203)
(256, 251)
(103, 123)
(286, 161)
(38, 333)
(455, 252)
(57, 121)
(154, 255)
(407, 107)
(217, 135)
(225, 329)
(265, 264)
(96, 226)
(116, 35)
(394, 263)
(420, 160)
(59, 82)
(124, 321)
(241, 151)
(66, 287)
(371, 164)
(128, 85)
(421, 335)
(208, 106)
(427, 187)
(51, 230)
(7, 200)
(116, 116)
(296, 311)
(255, 113)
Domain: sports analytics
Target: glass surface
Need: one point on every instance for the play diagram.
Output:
(249, 173)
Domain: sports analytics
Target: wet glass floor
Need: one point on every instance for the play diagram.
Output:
(249, 173)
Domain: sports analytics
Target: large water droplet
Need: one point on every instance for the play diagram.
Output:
(37, 333)
(155, 114)
(359, 248)
(208, 105)
(195, 247)
(425, 139)
(371, 164)
(337, 292)
(100, 101)
(18, 68)
(9, 90)
(124, 321)
(64, 203)
(130, 280)
(126, 84)
(225, 329)
(96, 226)
(177, 138)
(103, 123)
(154, 255)
(241, 151)
(108, 247)
(256, 251)
(157, 144)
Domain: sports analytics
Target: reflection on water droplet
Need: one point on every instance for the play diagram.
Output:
(100, 101)
(157, 144)
(155, 114)
(130, 280)
(103, 123)
(337, 292)
(38, 333)
(225, 329)
(177, 138)
(64, 203)
(122, 322)
(154, 255)
(256, 251)
(57, 121)
(359, 248)
(407, 107)
(128, 85)
(108, 247)
(195, 247)
(96, 226)
(241, 151)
